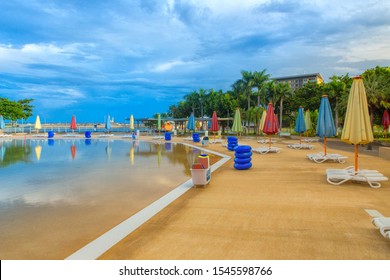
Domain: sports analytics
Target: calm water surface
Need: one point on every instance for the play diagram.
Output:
(58, 195)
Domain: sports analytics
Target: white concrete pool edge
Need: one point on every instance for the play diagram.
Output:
(103, 243)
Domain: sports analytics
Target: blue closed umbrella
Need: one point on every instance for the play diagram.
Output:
(191, 122)
(108, 123)
(300, 125)
(325, 123)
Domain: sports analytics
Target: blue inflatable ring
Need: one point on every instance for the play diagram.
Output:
(243, 149)
(243, 166)
(242, 160)
(243, 155)
(232, 138)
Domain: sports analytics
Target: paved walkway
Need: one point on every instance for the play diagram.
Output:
(282, 208)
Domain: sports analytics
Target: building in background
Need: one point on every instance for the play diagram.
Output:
(299, 81)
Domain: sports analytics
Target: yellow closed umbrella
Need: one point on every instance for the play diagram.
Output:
(37, 124)
(131, 125)
(357, 126)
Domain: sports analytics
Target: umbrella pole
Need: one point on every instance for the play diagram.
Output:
(356, 158)
(324, 146)
(270, 141)
(300, 138)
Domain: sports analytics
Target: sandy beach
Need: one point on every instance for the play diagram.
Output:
(280, 209)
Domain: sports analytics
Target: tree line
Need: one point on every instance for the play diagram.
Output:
(16, 110)
(255, 90)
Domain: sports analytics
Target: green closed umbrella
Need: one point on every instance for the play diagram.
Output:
(308, 122)
(158, 123)
(237, 125)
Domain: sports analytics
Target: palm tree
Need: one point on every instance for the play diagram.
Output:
(338, 89)
(259, 81)
(245, 85)
(282, 91)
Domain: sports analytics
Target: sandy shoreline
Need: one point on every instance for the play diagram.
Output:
(282, 208)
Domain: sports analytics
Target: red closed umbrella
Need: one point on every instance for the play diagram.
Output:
(214, 123)
(271, 125)
(73, 125)
(385, 122)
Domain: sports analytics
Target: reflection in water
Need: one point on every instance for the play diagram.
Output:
(73, 151)
(12, 153)
(38, 151)
(87, 193)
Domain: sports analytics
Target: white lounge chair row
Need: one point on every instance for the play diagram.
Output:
(298, 146)
(383, 223)
(266, 141)
(339, 176)
(266, 150)
(5, 135)
(320, 158)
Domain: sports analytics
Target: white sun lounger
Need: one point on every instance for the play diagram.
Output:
(72, 135)
(266, 150)
(158, 137)
(298, 146)
(39, 135)
(340, 176)
(383, 223)
(266, 141)
(105, 135)
(320, 158)
(5, 135)
(310, 140)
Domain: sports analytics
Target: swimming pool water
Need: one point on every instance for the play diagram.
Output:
(57, 195)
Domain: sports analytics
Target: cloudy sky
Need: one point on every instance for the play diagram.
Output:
(122, 57)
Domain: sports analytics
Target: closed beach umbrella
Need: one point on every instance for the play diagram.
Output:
(214, 123)
(237, 125)
(37, 124)
(308, 122)
(271, 125)
(108, 124)
(357, 126)
(191, 122)
(262, 121)
(131, 125)
(2, 124)
(385, 122)
(300, 125)
(325, 124)
(158, 122)
(73, 125)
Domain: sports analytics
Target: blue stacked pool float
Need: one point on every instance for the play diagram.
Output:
(243, 157)
(195, 137)
(167, 136)
(232, 142)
